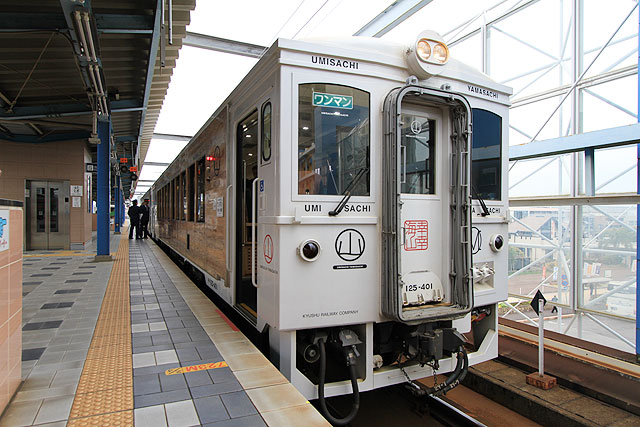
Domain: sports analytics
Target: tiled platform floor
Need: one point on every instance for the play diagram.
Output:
(172, 325)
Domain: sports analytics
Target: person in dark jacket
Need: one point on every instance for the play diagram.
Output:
(144, 219)
(134, 218)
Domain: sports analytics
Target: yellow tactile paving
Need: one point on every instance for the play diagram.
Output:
(105, 392)
(115, 419)
(89, 404)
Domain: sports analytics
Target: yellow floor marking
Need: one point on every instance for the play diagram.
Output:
(196, 368)
(105, 391)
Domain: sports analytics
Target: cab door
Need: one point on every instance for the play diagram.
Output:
(426, 205)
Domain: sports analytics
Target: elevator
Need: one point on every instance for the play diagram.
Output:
(47, 216)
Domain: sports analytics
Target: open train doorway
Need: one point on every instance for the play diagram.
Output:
(246, 220)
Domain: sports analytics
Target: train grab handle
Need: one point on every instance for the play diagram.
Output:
(254, 225)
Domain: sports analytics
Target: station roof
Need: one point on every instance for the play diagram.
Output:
(63, 60)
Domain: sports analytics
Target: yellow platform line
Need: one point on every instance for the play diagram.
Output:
(105, 391)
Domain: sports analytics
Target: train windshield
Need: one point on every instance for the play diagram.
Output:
(333, 140)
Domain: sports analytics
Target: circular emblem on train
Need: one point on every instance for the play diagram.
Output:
(216, 160)
(416, 127)
(476, 240)
(267, 248)
(350, 244)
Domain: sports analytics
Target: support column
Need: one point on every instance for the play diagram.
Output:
(116, 206)
(104, 198)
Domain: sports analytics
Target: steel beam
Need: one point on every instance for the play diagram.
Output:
(612, 137)
(391, 17)
(106, 23)
(172, 137)
(151, 64)
(218, 44)
(37, 139)
(63, 110)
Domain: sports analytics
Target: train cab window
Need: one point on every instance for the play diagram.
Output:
(191, 172)
(418, 139)
(486, 154)
(266, 132)
(200, 190)
(333, 140)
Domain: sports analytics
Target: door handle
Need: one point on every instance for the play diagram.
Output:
(254, 225)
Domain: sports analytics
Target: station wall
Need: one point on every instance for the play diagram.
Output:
(53, 161)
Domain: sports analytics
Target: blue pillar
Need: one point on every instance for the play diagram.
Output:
(104, 176)
(116, 206)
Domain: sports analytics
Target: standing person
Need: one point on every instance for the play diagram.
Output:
(144, 219)
(134, 218)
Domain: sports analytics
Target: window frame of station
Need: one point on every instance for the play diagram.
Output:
(295, 99)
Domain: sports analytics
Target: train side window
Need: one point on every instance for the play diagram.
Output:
(486, 154)
(200, 191)
(183, 185)
(192, 192)
(333, 139)
(266, 132)
(176, 198)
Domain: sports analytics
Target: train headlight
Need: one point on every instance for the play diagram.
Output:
(423, 49)
(309, 250)
(440, 53)
(427, 55)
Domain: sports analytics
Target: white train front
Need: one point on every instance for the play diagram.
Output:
(329, 200)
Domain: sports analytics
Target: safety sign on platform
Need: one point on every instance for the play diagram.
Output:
(196, 368)
(4, 230)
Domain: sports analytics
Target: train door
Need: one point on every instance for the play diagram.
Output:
(422, 239)
(246, 219)
(48, 218)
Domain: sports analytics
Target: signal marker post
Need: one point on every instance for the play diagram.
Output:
(539, 379)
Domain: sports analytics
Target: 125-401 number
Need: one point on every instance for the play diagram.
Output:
(423, 287)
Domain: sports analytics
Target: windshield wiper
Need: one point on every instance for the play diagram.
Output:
(347, 192)
(485, 211)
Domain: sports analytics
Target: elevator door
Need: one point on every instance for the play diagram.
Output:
(49, 215)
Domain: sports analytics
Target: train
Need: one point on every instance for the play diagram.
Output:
(349, 200)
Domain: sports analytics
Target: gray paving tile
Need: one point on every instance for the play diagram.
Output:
(215, 389)
(54, 409)
(159, 398)
(20, 413)
(154, 369)
(210, 409)
(146, 384)
(152, 348)
(199, 378)
(172, 382)
(151, 416)
(182, 414)
(221, 375)
(250, 421)
(238, 404)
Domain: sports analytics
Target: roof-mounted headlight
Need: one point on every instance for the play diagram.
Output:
(440, 53)
(423, 49)
(432, 51)
(427, 55)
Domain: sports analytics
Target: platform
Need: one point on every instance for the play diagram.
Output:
(135, 342)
